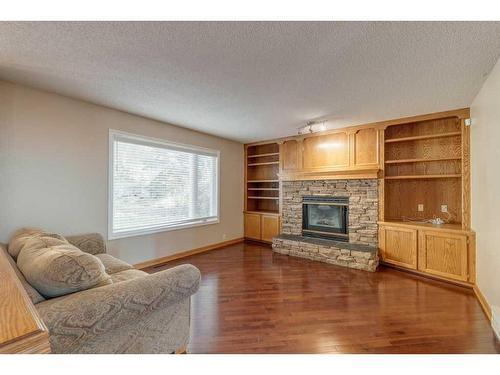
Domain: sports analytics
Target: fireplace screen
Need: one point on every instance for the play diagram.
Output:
(325, 217)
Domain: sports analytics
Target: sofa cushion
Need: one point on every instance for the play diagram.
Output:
(32, 293)
(91, 243)
(19, 238)
(54, 267)
(113, 265)
(127, 275)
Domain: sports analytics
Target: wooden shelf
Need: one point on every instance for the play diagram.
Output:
(263, 155)
(263, 181)
(419, 224)
(271, 189)
(274, 198)
(269, 212)
(418, 137)
(420, 160)
(423, 176)
(264, 163)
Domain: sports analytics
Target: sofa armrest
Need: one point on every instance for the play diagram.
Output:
(76, 318)
(92, 243)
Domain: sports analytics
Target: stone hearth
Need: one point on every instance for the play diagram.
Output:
(361, 252)
(356, 256)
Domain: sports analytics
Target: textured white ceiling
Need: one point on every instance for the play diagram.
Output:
(251, 81)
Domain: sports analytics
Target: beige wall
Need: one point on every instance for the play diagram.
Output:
(54, 167)
(485, 169)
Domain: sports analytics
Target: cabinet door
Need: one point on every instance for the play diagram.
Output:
(326, 151)
(290, 155)
(252, 226)
(398, 246)
(366, 150)
(443, 254)
(270, 227)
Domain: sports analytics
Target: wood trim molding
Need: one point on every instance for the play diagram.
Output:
(352, 173)
(183, 254)
(426, 275)
(466, 183)
(21, 328)
(482, 301)
(443, 228)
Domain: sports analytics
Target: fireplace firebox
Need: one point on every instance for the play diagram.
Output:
(325, 217)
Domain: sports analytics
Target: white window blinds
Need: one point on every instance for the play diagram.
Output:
(156, 186)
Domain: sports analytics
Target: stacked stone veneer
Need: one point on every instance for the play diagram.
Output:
(356, 256)
(362, 226)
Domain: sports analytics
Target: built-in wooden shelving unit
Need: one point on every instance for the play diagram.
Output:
(423, 166)
(262, 183)
(426, 172)
(262, 162)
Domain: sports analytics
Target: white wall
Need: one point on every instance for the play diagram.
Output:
(53, 171)
(485, 176)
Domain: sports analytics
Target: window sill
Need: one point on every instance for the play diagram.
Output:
(143, 232)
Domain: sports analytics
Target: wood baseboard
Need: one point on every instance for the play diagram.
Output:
(183, 254)
(427, 276)
(482, 301)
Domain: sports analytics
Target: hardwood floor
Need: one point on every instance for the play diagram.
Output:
(252, 300)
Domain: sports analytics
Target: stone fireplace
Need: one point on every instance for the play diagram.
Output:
(340, 229)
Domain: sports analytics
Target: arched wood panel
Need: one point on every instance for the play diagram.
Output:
(366, 150)
(326, 151)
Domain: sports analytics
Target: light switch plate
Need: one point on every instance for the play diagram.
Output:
(420, 207)
(444, 208)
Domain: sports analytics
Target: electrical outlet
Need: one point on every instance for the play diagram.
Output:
(224, 236)
(420, 207)
(444, 208)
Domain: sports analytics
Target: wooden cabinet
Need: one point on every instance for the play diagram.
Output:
(425, 174)
(261, 215)
(366, 147)
(252, 226)
(326, 151)
(443, 254)
(269, 227)
(398, 246)
(347, 153)
(291, 154)
(261, 226)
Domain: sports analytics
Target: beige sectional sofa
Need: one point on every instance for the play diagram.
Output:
(126, 311)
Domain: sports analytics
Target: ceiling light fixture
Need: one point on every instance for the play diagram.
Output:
(312, 127)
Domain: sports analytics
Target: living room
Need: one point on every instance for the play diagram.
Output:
(249, 187)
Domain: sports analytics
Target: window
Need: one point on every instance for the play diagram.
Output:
(156, 186)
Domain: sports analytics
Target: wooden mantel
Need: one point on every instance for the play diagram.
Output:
(330, 174)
